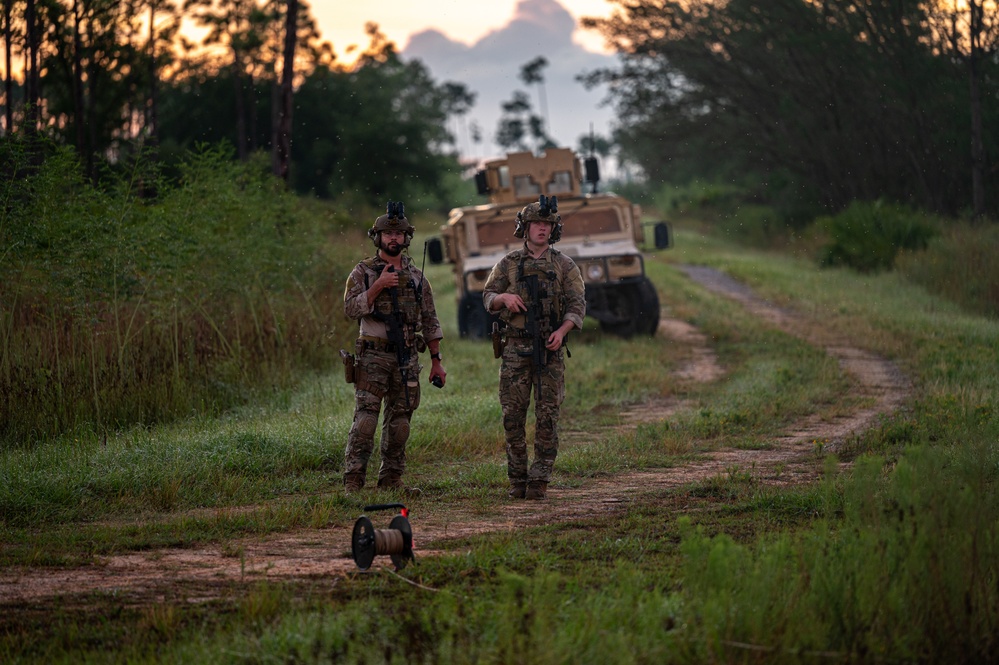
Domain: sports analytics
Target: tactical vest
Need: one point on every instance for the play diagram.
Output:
(550, 295)
(408, 296)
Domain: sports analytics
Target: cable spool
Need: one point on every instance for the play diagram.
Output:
(396, 541)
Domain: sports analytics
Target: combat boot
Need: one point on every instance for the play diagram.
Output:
(390, 481)
(394, 482)
(536, 490)
(518, 490)
(353, 482)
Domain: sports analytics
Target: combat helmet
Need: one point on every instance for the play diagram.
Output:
(394, 219)
(545, 210)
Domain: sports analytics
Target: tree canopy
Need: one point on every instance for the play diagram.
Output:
(834, 100)
(118, 76)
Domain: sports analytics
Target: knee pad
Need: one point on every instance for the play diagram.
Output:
(399, 431)
(367, 423)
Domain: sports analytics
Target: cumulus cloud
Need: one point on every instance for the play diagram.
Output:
(491, 68)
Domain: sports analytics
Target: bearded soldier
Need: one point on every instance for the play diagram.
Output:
(393, 301)
(538, 292)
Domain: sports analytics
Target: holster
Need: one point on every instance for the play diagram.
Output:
(498, 342)
(348, 365)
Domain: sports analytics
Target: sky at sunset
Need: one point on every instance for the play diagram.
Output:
(342, 21)
(483, 45)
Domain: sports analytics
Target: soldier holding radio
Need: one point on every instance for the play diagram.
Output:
(394, 304)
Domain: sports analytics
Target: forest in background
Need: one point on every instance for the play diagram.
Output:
(116, 79)
(809, 105)
(812, 105)
(157, 257)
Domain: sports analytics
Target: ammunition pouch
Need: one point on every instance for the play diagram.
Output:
(348, 366)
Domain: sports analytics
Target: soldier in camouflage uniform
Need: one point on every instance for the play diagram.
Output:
(537, 286)
(393, 301)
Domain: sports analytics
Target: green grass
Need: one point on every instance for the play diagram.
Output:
(894, 560)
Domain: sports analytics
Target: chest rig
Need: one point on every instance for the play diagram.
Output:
(538, 285)
(401, 303)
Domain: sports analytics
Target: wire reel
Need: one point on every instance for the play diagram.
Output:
(396, 541)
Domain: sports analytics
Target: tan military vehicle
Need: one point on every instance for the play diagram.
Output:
(602, 232)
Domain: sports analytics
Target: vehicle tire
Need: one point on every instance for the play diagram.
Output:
(637, 307)
(473, 320)
(648, 311)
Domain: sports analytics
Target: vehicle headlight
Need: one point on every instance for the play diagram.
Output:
(594, 272)
(622, 267)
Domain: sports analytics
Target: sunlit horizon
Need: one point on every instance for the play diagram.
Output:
(343, 23)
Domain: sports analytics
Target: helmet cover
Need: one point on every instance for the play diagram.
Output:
(394, 219)
(545, 210)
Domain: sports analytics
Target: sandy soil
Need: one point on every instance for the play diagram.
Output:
(201, 574)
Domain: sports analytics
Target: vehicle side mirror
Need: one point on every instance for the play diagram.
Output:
(663, 235)
(481, 184)
(436, 250)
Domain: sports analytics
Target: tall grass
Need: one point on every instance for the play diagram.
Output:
(906, 571)
(960, 265)
(116, 310)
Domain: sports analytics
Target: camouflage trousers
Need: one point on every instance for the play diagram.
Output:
(517, 381)
(379, 383)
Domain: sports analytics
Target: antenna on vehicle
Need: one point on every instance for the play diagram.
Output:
(591, 165)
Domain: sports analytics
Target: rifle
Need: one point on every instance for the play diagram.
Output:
(393, 326)
(538, 353)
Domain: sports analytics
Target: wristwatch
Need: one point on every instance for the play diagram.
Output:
(435, 356)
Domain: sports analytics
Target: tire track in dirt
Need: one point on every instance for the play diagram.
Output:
(323, 555)
(878, 380)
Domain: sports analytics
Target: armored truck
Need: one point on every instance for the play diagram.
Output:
(602, 232)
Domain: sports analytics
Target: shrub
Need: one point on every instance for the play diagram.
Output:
(117, 311)
(868, 236)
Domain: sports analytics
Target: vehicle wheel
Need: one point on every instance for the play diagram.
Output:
(473, 320)
(648, 311)
(637, 307)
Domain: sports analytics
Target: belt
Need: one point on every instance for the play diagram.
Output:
(517, 333)
(377, 344)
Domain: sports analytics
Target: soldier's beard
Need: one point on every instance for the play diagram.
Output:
(393, 249)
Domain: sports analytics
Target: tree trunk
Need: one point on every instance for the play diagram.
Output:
(237, 81)
(977, 146)
(152, 119)
(282, 140)
(33, 115)
(90, 112)
(78, 116)
(8, 83)
(975, 54)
